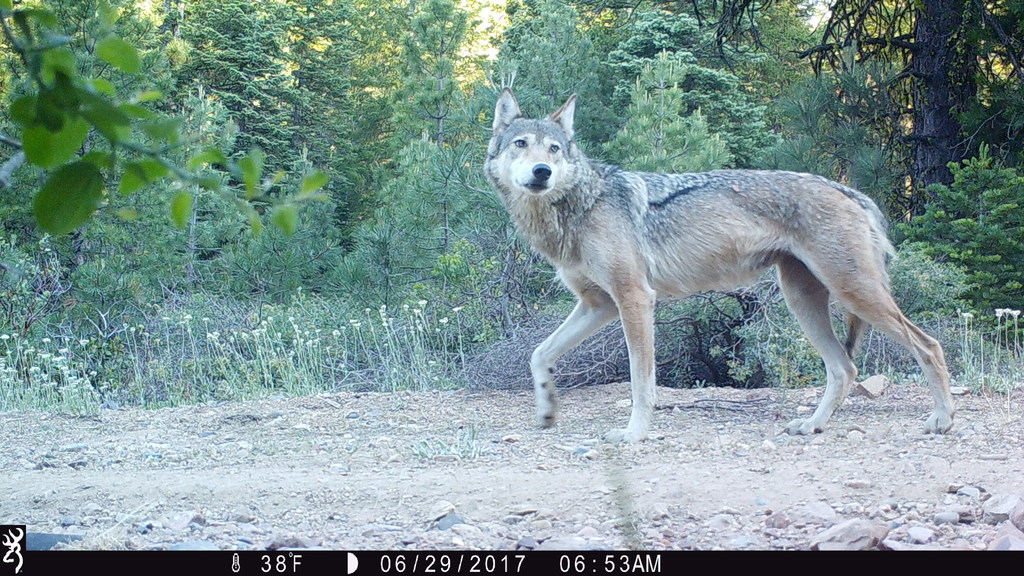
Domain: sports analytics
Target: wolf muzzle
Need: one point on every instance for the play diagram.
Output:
(541, 175)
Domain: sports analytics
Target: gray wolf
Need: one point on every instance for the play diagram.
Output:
(620, 239)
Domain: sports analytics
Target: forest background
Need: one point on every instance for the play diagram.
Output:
(205, 200)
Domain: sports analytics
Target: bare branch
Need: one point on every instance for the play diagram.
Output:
(10, 166)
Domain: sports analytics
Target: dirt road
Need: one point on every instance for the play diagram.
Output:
(442, 470)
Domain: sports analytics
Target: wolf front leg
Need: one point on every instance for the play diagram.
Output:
(636, 309)
(593, 311)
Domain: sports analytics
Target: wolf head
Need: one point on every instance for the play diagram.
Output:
(530, 156)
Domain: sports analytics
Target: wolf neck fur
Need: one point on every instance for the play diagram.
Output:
(552, 222)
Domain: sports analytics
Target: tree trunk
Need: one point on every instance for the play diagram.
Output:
(943, 77)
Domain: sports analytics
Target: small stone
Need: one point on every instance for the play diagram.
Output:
(66, 521)
(524, 509)
(741, 542)
(511, 438)
(299, 542)
(658, 511)
(855, 534)
(463, 529)
(526, 543)
(920, 534)
(195, 545)
(1008, 538)
(1017, 516)
(241, 515)
(778, 520)
(541, 524)
(947, 517)
(74, 447)
(722, 522)
(970, 492)
(999, 507)
(449, 520)
(872, 387)
(858, 484)
(814, 513)
(441, 509)
(959, 390)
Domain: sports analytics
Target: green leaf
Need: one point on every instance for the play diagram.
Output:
(99, 159)
(108, 119)
(163, 130)
(23, 110)
(40, 16)
(54, 104)
(6, 4)
(119, 53)
(137, 111)
(252, 215)
(140, 173)
(252, 169)
(69, 197)
(285, 217)
(51, 149)
(211, 156)
(108, 14)
(128, 214)
(181, 208)
(103, 86)
(149, 96)
(58, 61)
(211, 183)
(312, 182)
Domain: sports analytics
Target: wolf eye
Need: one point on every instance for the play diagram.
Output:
(519, 143)
(555, 148)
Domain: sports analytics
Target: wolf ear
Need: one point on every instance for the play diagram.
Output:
(564, 116)
(506, 111)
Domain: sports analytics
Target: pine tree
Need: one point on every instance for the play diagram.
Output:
(548, 56)
(976, 223)
(431, 50)
(838, 125)
(236, 53)
(730, 110)
(660, 136)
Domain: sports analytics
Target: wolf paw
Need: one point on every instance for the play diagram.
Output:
(803, 427)
(546, 420)
(938, 423)
(624, 436)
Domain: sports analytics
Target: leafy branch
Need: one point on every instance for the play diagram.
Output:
(64, 108)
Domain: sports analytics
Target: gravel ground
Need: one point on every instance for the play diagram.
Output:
(468, 470)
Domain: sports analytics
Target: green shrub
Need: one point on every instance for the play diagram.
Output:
(977, 224)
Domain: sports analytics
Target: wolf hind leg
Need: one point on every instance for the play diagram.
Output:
(593, 311)
(807, 299)
(880, 310)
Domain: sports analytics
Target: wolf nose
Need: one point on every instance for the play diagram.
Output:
(542, 172)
